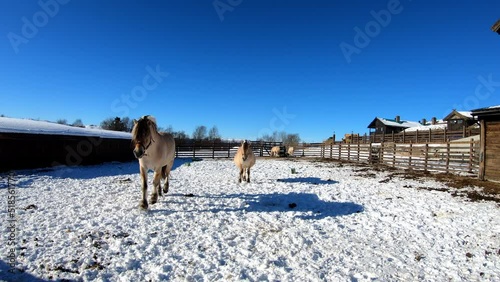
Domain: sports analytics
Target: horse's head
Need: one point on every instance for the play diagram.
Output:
(142, 135)
(245, 147)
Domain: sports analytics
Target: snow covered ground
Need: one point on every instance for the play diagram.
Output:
(325, 222)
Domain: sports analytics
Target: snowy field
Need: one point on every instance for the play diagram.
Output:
(325, 222)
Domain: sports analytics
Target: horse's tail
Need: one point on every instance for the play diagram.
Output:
(164, 172)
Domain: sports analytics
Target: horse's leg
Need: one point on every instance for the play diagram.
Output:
(248, 175)
(241, 174)
(166, 177)
(156, 187)
(144, 177)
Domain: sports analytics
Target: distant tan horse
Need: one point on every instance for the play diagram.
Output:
(244, 160)
(291, 150)
(155, 152)
(275, 151)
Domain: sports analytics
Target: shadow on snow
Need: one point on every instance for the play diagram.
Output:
(306, 205)
(308, 180)
(6, 275)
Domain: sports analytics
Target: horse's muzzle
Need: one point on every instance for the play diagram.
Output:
(138, 152)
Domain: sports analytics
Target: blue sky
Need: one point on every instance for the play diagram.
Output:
(248, 67)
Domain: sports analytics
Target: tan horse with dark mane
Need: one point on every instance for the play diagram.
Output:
(155, 152)
(244, 160)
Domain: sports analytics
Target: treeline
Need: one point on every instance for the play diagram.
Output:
(200, 133)
(288, 139)
(77, 123)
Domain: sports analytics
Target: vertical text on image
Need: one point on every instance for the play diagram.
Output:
(11, 224)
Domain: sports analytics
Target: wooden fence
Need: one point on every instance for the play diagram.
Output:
(456, 157)
(221, 149)
(449, 157)
(20, 151)
(423, 136)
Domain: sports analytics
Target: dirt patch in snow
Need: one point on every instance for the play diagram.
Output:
(460, 186)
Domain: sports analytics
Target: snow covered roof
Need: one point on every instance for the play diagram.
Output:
(460, 114)
(439, 126)
(394, 123)
(466, 114)
(488, 111)
(15, 125)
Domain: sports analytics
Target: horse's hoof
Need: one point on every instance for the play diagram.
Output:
(165, 190)
(143, 205)
(154, 199)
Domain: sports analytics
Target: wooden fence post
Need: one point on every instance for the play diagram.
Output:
(194, 149)
(471, 154)
(370, 153)
(447, 157)
(359, 152)
(340, 151)
(404, 139)
(394, 154)
(426, 155)
(349, 151)
(213, 149)
(381, 153)
(410, 152)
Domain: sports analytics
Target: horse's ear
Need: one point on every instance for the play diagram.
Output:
(135, 121)
(151, 118)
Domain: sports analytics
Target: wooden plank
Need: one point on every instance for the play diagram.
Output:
(482, 150)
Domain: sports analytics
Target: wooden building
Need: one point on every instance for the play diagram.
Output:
(389, 126)
(459, 120)
(489, 160)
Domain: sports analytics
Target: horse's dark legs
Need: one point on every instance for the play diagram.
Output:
(248, 175)
(165, 186)
(241, 175)
(156, 187)
(165, 174)
(144, 177)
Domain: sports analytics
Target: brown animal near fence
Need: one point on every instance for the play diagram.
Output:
(275, 151)
(244, 160)
(154, 151)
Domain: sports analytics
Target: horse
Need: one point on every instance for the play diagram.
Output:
(244, 160)
(275, 151)
(155, 151)
(291, 150)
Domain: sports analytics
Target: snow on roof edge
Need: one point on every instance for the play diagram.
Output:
(27, 126)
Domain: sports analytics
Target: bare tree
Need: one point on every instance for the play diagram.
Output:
(200, 132)
(292, 140)
(62, 121)
(117, 124)
(213, 133)
(78, 123)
